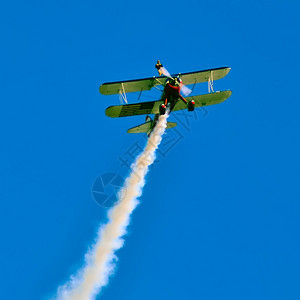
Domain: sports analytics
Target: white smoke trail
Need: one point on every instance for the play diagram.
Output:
(100, 260)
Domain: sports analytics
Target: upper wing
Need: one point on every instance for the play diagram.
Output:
(203, 76)
(152, 107)
(146, 84)
(110, 88)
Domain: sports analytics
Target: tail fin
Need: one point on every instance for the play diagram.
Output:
(148, 119)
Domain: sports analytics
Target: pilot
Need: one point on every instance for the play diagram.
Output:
(159, 68)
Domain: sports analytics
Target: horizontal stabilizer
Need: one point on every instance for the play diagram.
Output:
(148, 126)
(171, 124)
(141, 128)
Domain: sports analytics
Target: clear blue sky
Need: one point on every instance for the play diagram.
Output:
(219, 217)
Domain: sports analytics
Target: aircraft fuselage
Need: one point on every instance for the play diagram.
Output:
(171, 92)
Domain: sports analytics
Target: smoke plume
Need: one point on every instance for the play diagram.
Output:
(100, 260)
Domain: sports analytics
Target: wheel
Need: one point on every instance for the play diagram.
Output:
(162, 109)
(191, 105)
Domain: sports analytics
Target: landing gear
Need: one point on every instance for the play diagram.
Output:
(191, 105)
(162, 109)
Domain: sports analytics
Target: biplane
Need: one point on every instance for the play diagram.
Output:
(170, 100)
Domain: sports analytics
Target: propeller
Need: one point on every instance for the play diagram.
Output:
(184, 89)
(166, 72)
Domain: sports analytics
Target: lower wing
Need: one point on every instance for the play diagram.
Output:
(152, 107)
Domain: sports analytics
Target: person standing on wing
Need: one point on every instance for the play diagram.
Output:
(159, 68)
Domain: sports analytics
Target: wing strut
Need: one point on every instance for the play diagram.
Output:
(211, 82)
(194, 85)
(122, 94)
(159, 83)
(140, 94)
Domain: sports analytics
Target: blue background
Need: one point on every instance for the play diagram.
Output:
(219, 217)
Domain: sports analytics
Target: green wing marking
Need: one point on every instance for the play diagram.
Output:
(143, 108)
(137, 85)
(152, 107)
